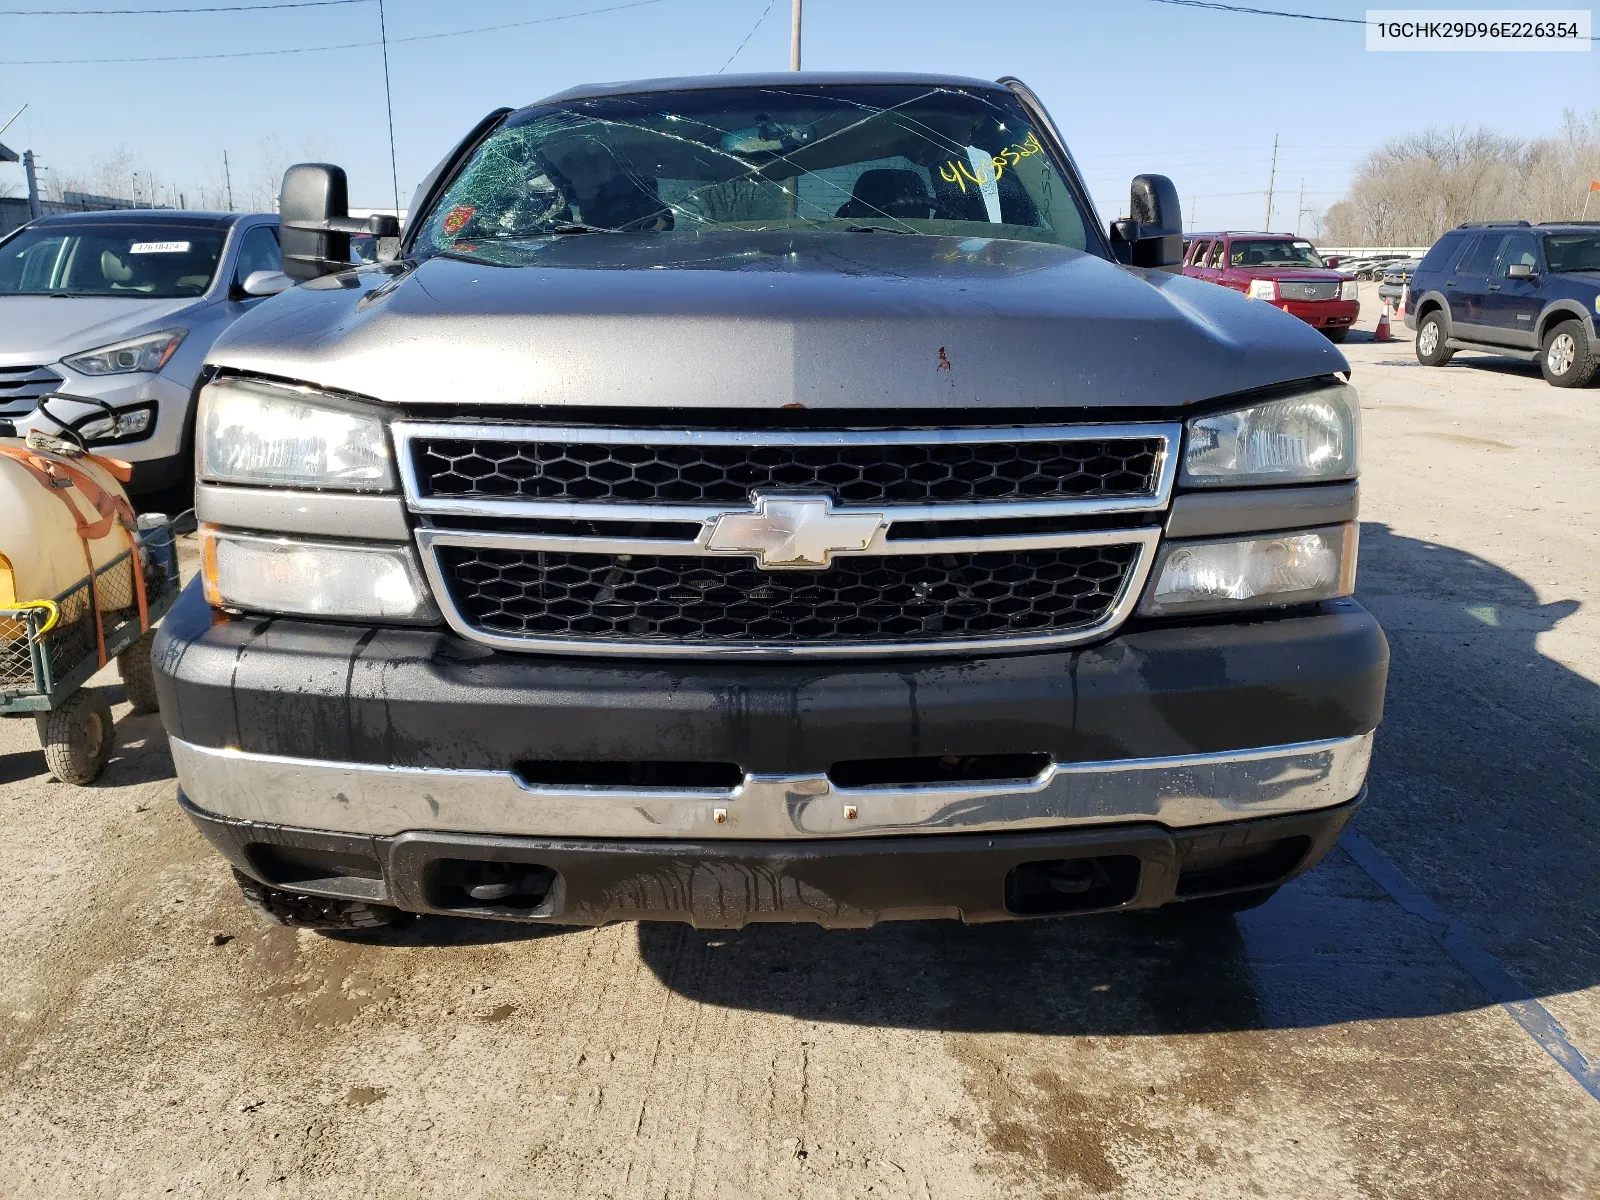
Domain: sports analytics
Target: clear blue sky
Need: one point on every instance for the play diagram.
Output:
(1135, 85)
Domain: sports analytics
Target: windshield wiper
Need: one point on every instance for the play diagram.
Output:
(875, 229)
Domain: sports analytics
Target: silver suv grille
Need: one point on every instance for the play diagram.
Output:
(21, 388)
(804, 543)
(1316, 290)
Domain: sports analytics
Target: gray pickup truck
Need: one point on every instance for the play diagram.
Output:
(767, 498)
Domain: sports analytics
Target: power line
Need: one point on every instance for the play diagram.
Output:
(1260, 12)
(388, 103)
(161, 12)
(421, 37)
(747, 37)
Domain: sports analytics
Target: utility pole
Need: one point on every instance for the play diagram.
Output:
(227, 180)
(34, 211)
(794, 37)
(1191, 214)
(1300, 206)
(1272, 179)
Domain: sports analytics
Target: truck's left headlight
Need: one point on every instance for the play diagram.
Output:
(252, 573)
(1313, 437)
(271, 436)
(1261, 571)
(1349, 289)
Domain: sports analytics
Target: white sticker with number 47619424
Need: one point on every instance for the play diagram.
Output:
(159, 248)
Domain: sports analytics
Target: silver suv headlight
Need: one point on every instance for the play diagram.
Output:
(148, 353)
(1310, 438)
(272, 436)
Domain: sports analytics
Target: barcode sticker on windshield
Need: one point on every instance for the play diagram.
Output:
(159, 248)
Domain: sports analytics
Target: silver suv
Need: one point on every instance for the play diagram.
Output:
(119, 310)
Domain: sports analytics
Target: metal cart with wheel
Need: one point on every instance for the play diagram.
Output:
(50, 648)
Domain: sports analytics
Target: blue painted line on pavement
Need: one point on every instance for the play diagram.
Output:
(1536, 1020)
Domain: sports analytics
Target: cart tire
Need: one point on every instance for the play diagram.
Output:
(78, 737)
(139, 674)
(278, 907)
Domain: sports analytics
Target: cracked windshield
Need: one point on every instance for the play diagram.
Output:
(880, 159)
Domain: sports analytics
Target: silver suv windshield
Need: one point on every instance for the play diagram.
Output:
(879, 158)
(149, 262)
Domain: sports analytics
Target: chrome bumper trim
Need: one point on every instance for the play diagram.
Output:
(1178, 792)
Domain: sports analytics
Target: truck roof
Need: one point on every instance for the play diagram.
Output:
(691, 83)
(1282, 237)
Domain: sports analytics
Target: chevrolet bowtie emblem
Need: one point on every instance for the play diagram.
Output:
(793, 531)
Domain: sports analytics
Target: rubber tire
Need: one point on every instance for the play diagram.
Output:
(278, 907)
(1584, 363)
(138, 674)
(1336, 335)
(1441, 353)
(1227, 905)
(78, 737)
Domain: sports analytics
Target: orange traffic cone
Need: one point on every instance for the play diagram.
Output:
(1382, 334)
(1400, 306)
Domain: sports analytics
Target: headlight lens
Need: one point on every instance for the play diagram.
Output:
(1263, 289)
(148, 353)
(1349, 289)
(1308, 438)
(313, 579)
(1255, 572)
(255, 433)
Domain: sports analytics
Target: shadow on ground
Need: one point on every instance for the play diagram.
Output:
(1483, 790)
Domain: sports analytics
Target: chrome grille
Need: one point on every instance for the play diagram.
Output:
(21, 388)
(560, 468)
(816, 543)
(1317, 290)
(655, 598)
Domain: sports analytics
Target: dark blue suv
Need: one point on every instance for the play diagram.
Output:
(1511, 288)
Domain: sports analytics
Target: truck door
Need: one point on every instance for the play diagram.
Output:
(1511, 306)
(1469, 285)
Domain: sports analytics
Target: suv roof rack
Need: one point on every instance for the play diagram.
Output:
(1552, 224)
(1495, 224)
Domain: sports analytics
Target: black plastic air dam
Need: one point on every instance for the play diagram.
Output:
(429, 698)
(839, 883)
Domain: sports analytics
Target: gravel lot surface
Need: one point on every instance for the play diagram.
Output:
(155, 1040)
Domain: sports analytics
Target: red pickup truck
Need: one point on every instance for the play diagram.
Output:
(1281, 269)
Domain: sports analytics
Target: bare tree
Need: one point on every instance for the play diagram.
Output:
(1413, 188)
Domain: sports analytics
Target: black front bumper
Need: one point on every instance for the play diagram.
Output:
(428, 698)
(840, 883)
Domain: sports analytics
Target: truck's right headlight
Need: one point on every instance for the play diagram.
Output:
(272, 436)
(297, 577)
(1310, 438)
(1260, 571)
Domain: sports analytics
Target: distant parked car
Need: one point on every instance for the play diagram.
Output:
(1396, 278)
(120, 309)
(1511, 288)
(1281, 269)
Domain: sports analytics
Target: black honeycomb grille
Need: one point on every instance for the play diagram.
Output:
(701, 601)
(924, 473)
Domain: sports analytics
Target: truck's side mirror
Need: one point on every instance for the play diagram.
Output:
(1331, 263)
(313, 197)
(1152, 236)
(1519, 271)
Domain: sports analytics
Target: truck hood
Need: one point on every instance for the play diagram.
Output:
(760, 320)
(36, 330)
